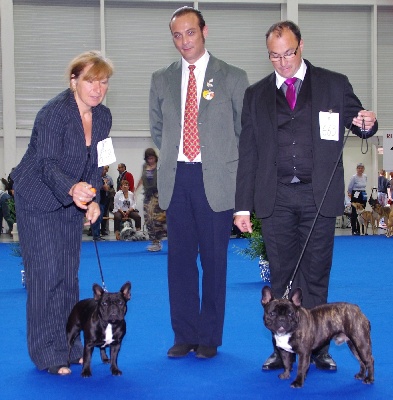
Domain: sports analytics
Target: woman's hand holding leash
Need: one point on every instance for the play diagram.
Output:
(82, 194)
(92, 213)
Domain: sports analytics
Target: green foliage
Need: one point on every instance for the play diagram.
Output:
(256, 247)
(11, 207)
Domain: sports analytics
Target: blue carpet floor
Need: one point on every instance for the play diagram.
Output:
(362, 273)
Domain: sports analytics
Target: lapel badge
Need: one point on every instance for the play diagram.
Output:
(208, 94)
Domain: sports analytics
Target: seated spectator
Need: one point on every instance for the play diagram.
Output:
(6, 203)
(124, 207)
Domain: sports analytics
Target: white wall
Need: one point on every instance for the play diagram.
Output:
(222, 41)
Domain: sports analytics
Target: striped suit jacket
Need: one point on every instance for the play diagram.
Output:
(57, 156)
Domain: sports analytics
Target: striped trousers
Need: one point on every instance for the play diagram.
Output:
(50, 245)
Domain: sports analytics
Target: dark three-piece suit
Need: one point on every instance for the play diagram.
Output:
(271, 135)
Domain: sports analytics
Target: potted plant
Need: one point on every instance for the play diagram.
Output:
(256, 248)
(15, 251)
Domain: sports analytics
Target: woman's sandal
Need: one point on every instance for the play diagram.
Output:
(59, 370)
(77, 361)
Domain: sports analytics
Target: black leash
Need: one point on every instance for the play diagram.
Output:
(98, 259)
(289, 287)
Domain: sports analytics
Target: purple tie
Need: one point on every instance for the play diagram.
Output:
(291, 92)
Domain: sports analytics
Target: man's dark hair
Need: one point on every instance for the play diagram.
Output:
(279, 27)
(188, 10)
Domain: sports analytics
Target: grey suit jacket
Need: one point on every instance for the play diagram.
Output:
(219, 125)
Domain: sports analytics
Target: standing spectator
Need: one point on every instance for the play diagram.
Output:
(195, 121)
(104, 189)
(390, 188)
(125, 207)
(357, 193)
(124, 175)
(8, 184)
(52, 195)
(383, 188)
(155, 219)
(107, 200)
(5, 211)
(288, 148)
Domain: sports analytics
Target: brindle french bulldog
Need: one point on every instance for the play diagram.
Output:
(300, 330)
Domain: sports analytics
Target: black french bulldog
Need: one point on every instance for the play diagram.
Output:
(299, 330)
(103, 324)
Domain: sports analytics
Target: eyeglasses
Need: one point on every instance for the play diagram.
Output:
(287, 56)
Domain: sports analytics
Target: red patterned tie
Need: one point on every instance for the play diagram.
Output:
(291, 92)
(191, 146)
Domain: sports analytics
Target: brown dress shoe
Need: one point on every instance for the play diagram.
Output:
(181, 350)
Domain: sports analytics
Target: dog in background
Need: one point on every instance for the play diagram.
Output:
(376, 218)
(300, 330)
(102, 321)
(389, 225)
(365, 218)
(383, 212)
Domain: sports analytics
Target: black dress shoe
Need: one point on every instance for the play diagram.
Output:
(324, 361)
(273, 362)
(181, 350)
(206, 351)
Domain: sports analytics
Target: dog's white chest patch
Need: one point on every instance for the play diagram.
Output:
(282, 342)
(108, 335)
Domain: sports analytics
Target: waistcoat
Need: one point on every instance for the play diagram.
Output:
(294, 157)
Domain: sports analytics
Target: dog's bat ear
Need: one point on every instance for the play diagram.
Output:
(297, 297)
(126, 290)
(267, 295)
(97, 291)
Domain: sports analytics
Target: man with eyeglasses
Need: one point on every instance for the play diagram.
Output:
(293, 125)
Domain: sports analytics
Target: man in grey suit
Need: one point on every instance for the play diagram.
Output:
(198, 193)
(287, 153)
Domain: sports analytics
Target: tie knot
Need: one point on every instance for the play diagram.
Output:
(191, 68)
(290, 81)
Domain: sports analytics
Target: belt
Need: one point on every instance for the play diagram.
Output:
(189, 162)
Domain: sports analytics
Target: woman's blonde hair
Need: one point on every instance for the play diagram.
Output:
(101, 68)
